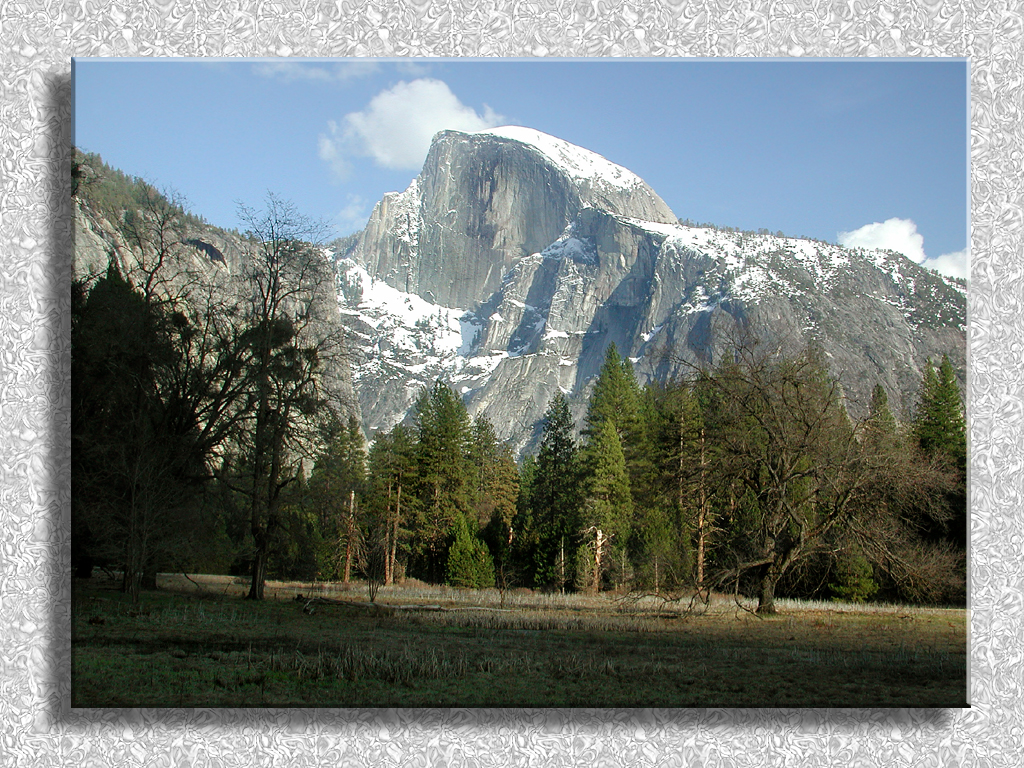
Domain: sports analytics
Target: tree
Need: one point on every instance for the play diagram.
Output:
(128, 468)
(335, 488)
(615, 397)
(469, 562)
(197, 375)
(494, 477)
(288, 284)
(608, 505)
(151, 401)
(939, 423)
(180, 329)
(391, 473)
(155, 230)
(810, 483)
(556, 497)
(442, 474)
(879, 415)
(495, 495)
(940, 429)
(675, 523)
(517, 562)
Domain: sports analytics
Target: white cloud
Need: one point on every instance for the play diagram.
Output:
(353, 216)
(412, 68)
(892, 234)
(340, 72)
(332, 152)
(954, 264)
(901, 235)
(397, 125)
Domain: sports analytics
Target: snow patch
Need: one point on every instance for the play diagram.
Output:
(650, 334)
(575, 161)
(571, 248)
(406, 322)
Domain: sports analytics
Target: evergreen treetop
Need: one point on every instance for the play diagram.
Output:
(616, 396)
(609, 503)
(939, 423)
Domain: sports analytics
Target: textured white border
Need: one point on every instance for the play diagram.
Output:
(37, 727)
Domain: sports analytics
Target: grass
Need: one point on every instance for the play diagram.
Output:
(189, 647)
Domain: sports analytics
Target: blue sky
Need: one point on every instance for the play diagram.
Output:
(864, 152)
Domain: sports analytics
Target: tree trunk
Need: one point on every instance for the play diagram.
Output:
(259, 568)
(561, 566)
(349, 534)
(131, 582)
(392, 555)
(702, 503)
(388, 577)
(766, 590)
(598, 551)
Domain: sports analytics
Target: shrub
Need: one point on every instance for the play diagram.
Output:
(469, 561)
(854, 580)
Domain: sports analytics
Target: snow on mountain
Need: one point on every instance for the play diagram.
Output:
(759, 265)
(575, 161)
(515, 258)
(404, 342)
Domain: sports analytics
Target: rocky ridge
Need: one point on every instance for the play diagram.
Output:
(514, 259)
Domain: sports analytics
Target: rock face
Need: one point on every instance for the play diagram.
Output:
(483, 202)
(514, 259)
(215, 259)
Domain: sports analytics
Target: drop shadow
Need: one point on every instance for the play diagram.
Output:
(657, 725)
(58, 267)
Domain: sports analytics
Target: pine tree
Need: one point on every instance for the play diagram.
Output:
(881, 430)
(615, 398)
(335, 489)
(941, 431)
(519, 563)
(608, 506)
(469, 562)
(674, 534)
(939, 424)
(495, 479)
(495, 495)
(444, 477)
(880, 416)
(392, 472)
(555, 497)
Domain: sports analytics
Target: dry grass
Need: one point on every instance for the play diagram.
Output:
(202, 646)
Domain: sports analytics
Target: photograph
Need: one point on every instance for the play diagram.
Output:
(435, 382)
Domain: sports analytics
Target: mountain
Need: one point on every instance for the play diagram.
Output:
(515, 258)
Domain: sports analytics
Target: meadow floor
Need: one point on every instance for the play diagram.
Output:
(202, 645)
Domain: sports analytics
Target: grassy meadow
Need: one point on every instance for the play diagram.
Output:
(199, 644)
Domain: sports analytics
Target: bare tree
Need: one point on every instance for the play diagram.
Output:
(155, 232)
(288, 288)
(811, 482)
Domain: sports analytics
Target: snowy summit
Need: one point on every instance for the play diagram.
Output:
(577, 162)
